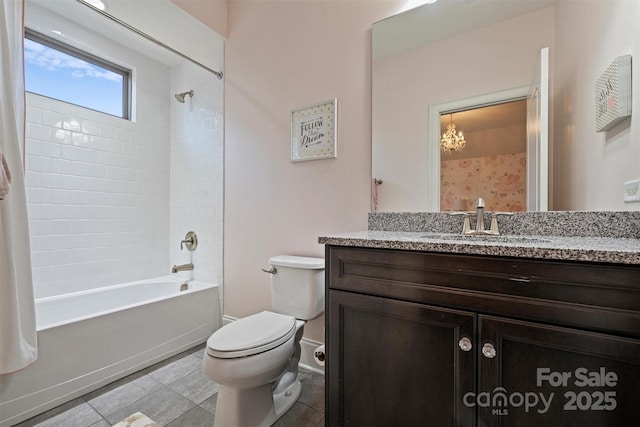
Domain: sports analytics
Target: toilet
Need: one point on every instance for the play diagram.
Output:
(254, 360)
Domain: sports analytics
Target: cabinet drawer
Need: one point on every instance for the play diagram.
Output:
(599, 297)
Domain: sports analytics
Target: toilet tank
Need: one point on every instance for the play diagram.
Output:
(297, 286)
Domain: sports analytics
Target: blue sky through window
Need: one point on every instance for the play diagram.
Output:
(55, 74)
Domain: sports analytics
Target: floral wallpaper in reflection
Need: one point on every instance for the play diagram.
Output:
(501, 180)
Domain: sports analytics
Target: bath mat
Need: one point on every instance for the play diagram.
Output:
(137, 420)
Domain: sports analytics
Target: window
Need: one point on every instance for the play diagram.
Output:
(56, 70)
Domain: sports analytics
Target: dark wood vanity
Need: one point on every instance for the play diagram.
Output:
(422, 338)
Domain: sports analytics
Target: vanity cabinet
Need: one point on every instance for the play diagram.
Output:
(433, 339)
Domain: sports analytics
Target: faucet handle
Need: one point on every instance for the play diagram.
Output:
(494, 221)
(466, 227)
(190, 241)
(480, 203)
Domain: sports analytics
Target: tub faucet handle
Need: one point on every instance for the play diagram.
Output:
(190, 241)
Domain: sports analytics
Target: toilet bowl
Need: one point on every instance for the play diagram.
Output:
(254, 360)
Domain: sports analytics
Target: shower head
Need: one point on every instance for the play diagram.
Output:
(180, 96)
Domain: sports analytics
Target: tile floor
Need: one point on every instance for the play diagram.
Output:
(173, 393)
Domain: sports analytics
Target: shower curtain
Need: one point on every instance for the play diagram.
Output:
(18, 346)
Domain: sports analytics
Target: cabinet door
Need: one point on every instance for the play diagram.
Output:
(395, 363)
(540, 375)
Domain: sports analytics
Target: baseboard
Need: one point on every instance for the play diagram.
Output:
(306, 358)
(228, 319)
(308, 348)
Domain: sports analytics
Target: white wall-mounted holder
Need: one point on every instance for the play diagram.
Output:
(613, 94)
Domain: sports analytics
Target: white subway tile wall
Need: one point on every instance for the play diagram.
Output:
(98, 196)
(109, 203)
(197, 171)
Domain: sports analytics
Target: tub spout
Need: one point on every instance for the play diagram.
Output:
(183, 267)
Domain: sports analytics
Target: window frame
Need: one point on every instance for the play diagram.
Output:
(92, 59)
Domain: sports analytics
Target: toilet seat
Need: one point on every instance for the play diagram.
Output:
(251, 335)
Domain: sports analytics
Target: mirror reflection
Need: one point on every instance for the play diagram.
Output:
(484, 151)
(445, 52)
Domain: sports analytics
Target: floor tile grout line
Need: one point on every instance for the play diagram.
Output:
(87, 401)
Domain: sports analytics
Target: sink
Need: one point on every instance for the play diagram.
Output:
(485, 238)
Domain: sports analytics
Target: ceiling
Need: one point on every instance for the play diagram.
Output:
(491, 117)
(490, 130)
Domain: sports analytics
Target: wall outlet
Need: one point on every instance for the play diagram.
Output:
(632, 191)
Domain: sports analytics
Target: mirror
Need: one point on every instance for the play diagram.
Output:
(449, 51)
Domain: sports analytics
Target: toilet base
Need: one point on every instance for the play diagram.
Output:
(282, 402)
(266, 407)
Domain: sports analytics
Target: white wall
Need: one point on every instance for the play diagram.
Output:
(212, 13)
(591, 167)
(474, 63)
(173, 26)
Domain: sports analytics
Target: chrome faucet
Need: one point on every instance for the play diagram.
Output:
(183, 267)
(480, 230)
(480, 216)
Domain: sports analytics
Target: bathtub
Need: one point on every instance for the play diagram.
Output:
(88, 339)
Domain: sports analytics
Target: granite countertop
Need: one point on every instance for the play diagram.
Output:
(615, 250)
(595, 246)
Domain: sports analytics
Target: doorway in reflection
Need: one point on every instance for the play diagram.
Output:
(493, 162)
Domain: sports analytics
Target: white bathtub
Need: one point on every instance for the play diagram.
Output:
(91, 338)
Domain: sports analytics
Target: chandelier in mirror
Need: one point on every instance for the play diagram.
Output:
(451, 141)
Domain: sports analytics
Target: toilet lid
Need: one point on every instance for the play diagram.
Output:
(251, 335)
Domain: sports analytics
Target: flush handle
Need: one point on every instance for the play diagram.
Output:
(271, 270)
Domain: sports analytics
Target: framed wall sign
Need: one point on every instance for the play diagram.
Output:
(613, 94)
(313, 131)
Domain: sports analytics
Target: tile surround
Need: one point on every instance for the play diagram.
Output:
(108, 198)
(97, 214)
(196, 170)
(103, 193)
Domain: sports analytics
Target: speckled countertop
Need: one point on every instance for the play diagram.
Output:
(580, 236)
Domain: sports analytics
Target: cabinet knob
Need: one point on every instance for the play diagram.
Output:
(488, 351)
(465, 344)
